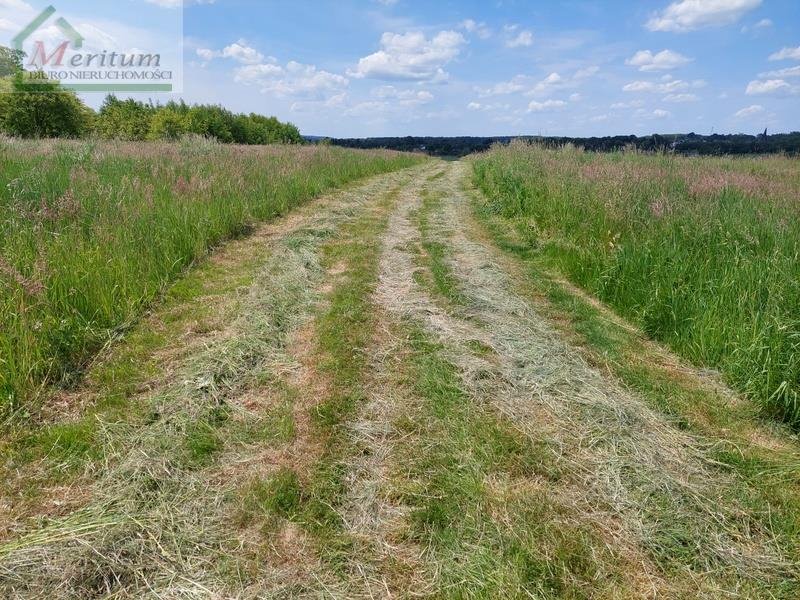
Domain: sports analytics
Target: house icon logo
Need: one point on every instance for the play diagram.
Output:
(72, 35)
(54, 50)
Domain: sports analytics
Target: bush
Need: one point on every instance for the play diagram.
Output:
(124, 119)
(168, 124)
(40, 110)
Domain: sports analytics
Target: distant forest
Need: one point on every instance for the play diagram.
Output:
(691, 143)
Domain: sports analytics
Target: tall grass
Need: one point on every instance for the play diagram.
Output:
(90, 233)
(702, 253)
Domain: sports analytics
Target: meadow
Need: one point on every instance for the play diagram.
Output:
(700, 252)
(92, 232)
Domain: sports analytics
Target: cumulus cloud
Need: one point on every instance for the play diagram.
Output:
(749, 111)
(516, 84)
(410, 56)
(624, 105)
(661, 61)
(768, 87)
(689, 15)
(488, 107)
(238, 51)
(786, 54)
(295, 79)
(535, 106)
(479, 29)
(681, 98)
(660, 113)
(523, 38)
(667, 86)
(781, 73)
(403, 97)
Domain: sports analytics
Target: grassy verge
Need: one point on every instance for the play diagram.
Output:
(92, 233)
(701, 252)
(762, 457)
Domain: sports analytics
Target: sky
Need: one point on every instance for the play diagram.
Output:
(357, 68)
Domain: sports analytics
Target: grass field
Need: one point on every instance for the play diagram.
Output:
(387, 392)
(702, 253)
(90, 234)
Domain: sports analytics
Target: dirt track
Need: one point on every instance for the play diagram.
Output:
(484, 456)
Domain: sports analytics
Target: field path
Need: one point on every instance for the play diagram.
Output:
(389, 412)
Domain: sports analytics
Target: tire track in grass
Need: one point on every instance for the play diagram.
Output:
(642, 507)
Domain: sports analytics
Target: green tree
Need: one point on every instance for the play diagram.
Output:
(43, 109)
(124, 119)
(10, 61)
(167, 123)
(211, 121)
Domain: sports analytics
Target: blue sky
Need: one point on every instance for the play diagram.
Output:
(577, 67)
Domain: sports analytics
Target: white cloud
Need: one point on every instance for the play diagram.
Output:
(574, 97)
(16, 5)
(403, 97)
(786, 54)
(516, 84)
(255, 73)
(681, 98)
(669, 86)
(586, 72)
(238, 51)
(762, 24)
(336, 102)
(688, 15)
(544, 87)
(410, 56)
(488, 107)
(6, 25)
(631, 104)
(479, 29)
(549, 84)
(662, 61)
(523, 38)
(749, 111)
(535, 106)
(599, 118)
(781, 73)
(772, 87)
(295, 79)
(660, 113)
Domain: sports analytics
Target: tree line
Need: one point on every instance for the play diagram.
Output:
(39, 108)
(689, 144)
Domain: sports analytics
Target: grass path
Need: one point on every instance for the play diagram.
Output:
(398, 404)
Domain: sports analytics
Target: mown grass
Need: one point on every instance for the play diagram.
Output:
(699, 252)
(738, 441)
(91, 233)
